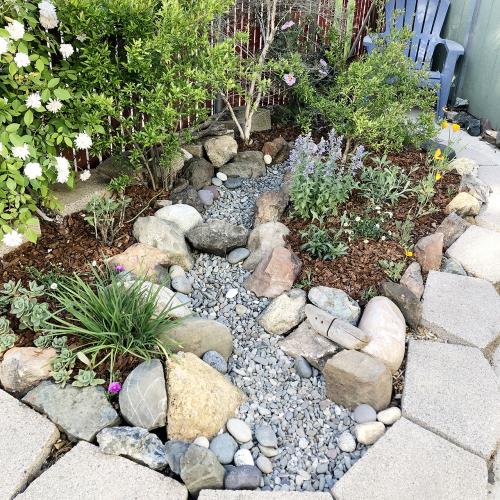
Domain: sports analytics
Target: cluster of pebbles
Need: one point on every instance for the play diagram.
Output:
(315, 445)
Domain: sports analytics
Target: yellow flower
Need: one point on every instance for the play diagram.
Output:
(455, 127)
(408, 253)
(438, 155)
(438, 176)
(444, 124)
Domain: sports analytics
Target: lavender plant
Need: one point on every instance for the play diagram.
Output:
(321, 181)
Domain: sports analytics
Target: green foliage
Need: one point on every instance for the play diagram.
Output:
(404, 230)
(393, 269)
(110, 318)
(322, 243)
(106, 216)
(87, 378)
(425, 191)
(369, 225)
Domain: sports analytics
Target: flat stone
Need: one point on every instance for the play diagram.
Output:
(452, 390)
(221, 149)
(405, 299)
(201, 400)
(135, 443)
(353, 378)
(237, 255)
(85, 472)
(464, 166)
(239, 430)
(284, 313)
(217, 237)
(224, 447)
(429, 252)
(185, 217)
(305, 341)
(495, 361)
(182, 284)
(175, 450)
(413, 280)
(198, 336)
(265, 436)
(389, 416)
(261, 120)
(79, 412)
(335, 302)
(143, 398)
(364, 413)
(244, 477)
(489, 215)
(23, 367)
(409, 462)
(233, 182)
(216, 181)
(385, 326)
(264, 464)
(247, 164)
(262, 495)
(452, 227)
(26, 440)
(452, 266)
(478, 251)
(262, 240)
(461, 309)
(165, 236)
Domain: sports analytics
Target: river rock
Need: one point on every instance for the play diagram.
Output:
(24, 367)
(143, 398)
(200, 470)
(215, 360)
(353, 378)
(369, 433)
(385, 325)
(202, 441)
(181, 284)
(429, 252)
(284, 313)
(247, 164)
(275, 274)
(201, 400)
(224, 447)
(264, 464)
(302, 367)
(198, 336)
(389, 416)
(336, 302)
(265, 436)
(243, 457)
(206, 197)
(175, 450)
(364, 413)
(217, 237)
(270, 206)
(346, 442)
(79, 412)
(245, 477)
(199, 172)
(233, 183)
(452, 227)
(165, 236)
(221, 149)
(238, 255)
(262, 240)
(185, 217)
(135, 443)
(464, 204)
(239, 430)
(407, 302)
(412, 279)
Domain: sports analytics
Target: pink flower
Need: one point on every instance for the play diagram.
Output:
(287, 25)
(119, 268)
(114, 387)
(289, 79)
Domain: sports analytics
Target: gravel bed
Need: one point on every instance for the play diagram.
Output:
(306, 423)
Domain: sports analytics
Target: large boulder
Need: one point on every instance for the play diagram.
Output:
(386, 328)
(429, 252)
(262, 240)
(198, 336)
(452, 227)
(353, 378)
(185, 217)
(284, 313)
(165, 236)
(270, 206)
(143, 398)
(221, 149)
(135, 443)
(201, 400)
(24, 367)
(247, 164)
(144, 261)
(464, 204)
(217, 236)
(335, 302)
(199, 173)
(200, 470)
(275, 274)
(79, 412)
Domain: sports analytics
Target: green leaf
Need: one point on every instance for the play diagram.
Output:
(13, 127)
(12, 68)
(39, 65)
(28, 117)
(83, 358)
(11, 184)
(62, 94)
(53, 83)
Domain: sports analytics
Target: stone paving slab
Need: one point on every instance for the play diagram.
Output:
(261, 495)
(490, 174)
(453, 391)
(411, 463)
(489, 217)
(26, 439)
(478, 250)
(461, 309)
(85, 473)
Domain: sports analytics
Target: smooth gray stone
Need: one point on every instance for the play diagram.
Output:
(175, 450)
(215, 360)
(224, 447)
(266, 436)
(181, 284)
(244, 477)
(233, 183)
(302, 367)
(364, 413)
(237, 255)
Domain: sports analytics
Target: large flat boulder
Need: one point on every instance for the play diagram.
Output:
(284, 313)
(452, 391)
(185, 217)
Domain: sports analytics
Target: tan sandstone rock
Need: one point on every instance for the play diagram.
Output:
(262, 240)
(464, 204)
(429, 252)
(270, 206)
(200, 399)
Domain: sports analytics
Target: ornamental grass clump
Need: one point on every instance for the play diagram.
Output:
(110, 320)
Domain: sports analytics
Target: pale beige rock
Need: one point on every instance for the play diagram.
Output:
(369, 432)
(221, 149)
(262, 240)
(452, 227)
(412, 279)
(464, 166)
(275, 274)
(464, 204)
(389, 416)
(306, 342)
(385, 326)
(200, 399)
(284, 313)
(142, 260)
(23, 367)
(353, 378)
(270, 206)
(429, 252)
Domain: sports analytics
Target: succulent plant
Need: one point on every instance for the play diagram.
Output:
(21, 305)
(59, 343)
(61, 376)
(7, 340)
(36, 317)
(86, 378)
(4, 326)
(43, 341)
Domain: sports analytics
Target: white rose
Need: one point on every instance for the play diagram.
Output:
(21, 151)
(4, 44)
(66, 50)
(34, 101)
(12, 239)
(32, 170)
(54, 105)
(22, 60)
(15, 29)
(83, 141)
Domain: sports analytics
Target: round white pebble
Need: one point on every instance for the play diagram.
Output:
(231, 294)
(239, 430)
(268, 159)
(243, 457)
(202, 441)
(346, 442)
(222, 176)
(389, 416)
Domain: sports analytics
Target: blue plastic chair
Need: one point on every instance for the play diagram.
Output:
(425, 19)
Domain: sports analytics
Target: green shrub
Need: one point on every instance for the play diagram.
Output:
(322, 243)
